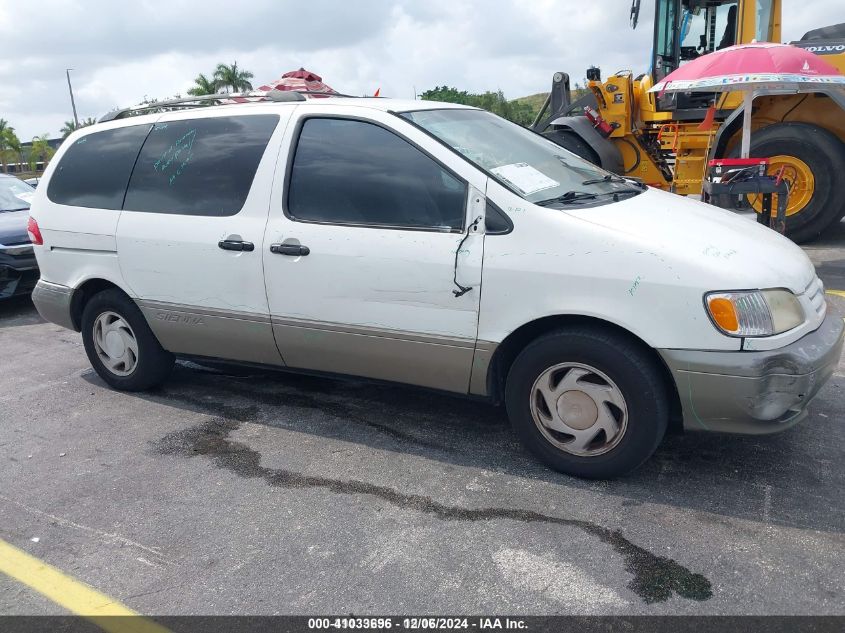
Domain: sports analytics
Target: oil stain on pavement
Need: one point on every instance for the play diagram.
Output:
(655, 578)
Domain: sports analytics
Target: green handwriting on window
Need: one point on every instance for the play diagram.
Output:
(175, 159)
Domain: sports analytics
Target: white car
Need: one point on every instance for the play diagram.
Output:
(434, 245)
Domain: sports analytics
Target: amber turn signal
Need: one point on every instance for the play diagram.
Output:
(724, 313)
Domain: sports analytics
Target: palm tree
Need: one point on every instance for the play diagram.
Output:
(14, 144)
(67, 128)
(40, 150)
(232, 77)
(5, 130)
(71, 126)
(203, 86)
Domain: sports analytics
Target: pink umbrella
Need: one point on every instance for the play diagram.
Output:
(299, 80)
(755, 69)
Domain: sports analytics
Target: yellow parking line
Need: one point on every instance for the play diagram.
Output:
(838, 293)
(72, 594)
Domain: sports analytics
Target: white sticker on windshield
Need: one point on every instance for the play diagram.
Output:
(26, 196)
(525, 178)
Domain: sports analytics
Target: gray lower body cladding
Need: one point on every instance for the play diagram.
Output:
(427, 361)
(53, 303)
(226, 334)
(738, 392)
(755, 392)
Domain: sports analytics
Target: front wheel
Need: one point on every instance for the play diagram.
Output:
(587, 402)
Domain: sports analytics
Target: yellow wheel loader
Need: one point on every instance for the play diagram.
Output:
(667, 140)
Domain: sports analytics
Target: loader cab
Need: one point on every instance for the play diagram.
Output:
(687, 29)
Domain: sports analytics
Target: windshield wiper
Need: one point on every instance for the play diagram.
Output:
(21, 209)
(570, 196)
(614, 178)
(577, 196)
(607, 178)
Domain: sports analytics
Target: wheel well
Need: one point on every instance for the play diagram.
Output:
(82, 295)
(516, 341)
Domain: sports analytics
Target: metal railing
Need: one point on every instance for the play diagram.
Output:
(234, 98)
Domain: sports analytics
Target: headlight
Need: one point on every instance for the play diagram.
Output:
(757, 313)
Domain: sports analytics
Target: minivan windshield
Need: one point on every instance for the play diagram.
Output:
(15, 195)
(531, 166)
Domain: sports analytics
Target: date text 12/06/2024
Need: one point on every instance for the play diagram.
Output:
(417, 623)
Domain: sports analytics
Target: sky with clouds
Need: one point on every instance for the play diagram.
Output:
(124, 51)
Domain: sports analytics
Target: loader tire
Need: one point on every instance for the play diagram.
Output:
(814, 161)
(574, 143)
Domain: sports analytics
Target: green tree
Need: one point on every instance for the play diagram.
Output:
(494, 102)
(13, 148)
(40, 150)
(5, 131)
(447, 94)
(70, 126)
(204, 86)
(232, 77)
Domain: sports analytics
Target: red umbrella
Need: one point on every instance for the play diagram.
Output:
(754, 69)
(299, 80)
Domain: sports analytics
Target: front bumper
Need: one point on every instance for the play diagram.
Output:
(18, 270)
(755, 392)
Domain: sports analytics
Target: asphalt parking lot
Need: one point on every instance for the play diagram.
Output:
(245, 492)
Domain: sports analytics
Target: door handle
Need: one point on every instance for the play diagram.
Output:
(294, 250)
(236, 245)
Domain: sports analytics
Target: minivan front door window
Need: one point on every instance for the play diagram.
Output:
(352, 172)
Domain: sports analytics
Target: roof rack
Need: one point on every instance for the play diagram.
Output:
(208, 100)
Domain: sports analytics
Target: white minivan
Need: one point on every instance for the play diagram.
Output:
(433, 245)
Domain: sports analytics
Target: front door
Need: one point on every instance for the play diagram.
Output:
(372, 257)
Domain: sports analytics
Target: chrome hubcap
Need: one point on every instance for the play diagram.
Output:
(579, 409)
(115, 343)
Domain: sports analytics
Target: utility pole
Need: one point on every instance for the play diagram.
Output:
(72, 102)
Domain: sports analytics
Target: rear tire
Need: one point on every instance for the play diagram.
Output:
(824, 154)
(572, 385)
(120, 345)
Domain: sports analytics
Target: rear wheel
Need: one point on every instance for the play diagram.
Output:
(120, 345)
(587, 402)
(812, 160)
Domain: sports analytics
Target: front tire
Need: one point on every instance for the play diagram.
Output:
(120, 345)
(587, 402)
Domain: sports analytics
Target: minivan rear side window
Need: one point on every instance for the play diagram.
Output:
(199, 166)
(347, 171)
(94, 171)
